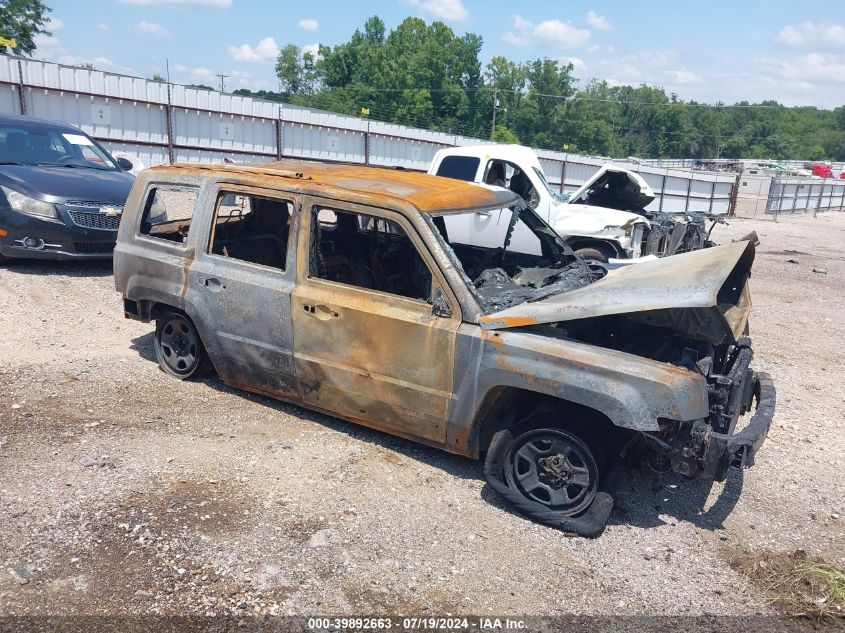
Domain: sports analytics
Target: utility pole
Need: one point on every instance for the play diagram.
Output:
(222, 77)
(495, 106)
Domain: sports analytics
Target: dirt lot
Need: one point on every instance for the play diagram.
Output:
(125, 491)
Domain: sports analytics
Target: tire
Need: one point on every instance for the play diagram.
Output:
(555, 468)
(591, 253)
(179, 349)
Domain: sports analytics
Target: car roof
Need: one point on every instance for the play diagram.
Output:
(427, 193)
(499, 151)
(15, 119)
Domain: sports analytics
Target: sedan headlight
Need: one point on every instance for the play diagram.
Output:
(30, 206)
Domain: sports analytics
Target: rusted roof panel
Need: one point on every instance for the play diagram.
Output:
(427, 193)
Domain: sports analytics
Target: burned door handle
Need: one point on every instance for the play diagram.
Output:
(322, 312)
(213, 284)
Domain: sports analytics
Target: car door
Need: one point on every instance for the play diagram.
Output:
(241, 281)
(367, 344)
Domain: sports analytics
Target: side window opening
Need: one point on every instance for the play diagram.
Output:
(459, 167)
(252, 229)
(168, 212)
(368, 252)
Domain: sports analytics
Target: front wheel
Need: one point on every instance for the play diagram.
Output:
(178, 347)
(553, 467)
(594, 254)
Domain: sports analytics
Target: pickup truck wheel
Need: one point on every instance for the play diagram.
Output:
(553, 467)
(178, 347)
(595, 254)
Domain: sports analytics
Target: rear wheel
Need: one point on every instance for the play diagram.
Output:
(178, 347)
(553, 467)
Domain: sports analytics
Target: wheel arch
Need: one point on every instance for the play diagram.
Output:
(609, 247)
(507, 407)
(154, 310)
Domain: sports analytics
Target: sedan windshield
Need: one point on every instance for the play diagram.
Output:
(22, 144)
(510, 256)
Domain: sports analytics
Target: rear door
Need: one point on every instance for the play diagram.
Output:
(367, 345)
(241, 281)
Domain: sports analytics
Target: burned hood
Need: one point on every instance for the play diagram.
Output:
(701, 294)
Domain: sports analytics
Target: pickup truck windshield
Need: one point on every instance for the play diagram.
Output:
(510, 256)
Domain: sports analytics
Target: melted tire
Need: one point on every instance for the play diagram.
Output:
(590, 523)
(179, 349)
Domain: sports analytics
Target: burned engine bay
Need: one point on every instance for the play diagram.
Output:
(502, 277)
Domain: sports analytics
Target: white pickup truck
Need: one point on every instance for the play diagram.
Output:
(604, 219)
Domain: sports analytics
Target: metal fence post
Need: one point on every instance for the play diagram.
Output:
(367, 144)
(689, 190)
(168, 116)
(21, 86)
(563, 174)
(713, 195)
(842, 201)
(662, 191)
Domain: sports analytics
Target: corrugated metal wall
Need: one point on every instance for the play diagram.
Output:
(790, 195)
(159, 122)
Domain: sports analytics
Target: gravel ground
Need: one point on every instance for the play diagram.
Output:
(123, 491)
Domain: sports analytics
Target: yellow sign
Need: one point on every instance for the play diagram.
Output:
(365, 112)
(11, 42)
(566, 147)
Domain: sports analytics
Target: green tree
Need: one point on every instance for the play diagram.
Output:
(504, 135)
(23, 20)
(296, 70)
(425, 75)
(157, 78)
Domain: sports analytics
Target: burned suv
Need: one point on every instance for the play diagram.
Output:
(352, 291)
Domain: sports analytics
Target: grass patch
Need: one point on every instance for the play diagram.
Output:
(796, 585)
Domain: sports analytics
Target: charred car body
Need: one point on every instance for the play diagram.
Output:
(605, 218)
(351, 291)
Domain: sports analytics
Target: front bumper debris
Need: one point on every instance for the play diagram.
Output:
(700, 451)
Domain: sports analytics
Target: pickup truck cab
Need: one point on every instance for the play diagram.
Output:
(605, 218)
(351, 290)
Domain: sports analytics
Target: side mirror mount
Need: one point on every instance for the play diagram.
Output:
(440, 307)
(124, 163)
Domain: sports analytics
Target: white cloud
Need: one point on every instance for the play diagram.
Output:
(683, 77)
(550, 32)
(103, 27)
(43, 41)
(453, 10)
(221, 4)
(99, 63)
(309, 24)
(265, 51)
(314, 49)
(578, 64)
(521, 24)
(598, 22)
(817, 34)
(561, 34)
(151, 27)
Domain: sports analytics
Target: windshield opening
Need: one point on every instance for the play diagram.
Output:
(554, 194)
(42, 145)
(509, 256)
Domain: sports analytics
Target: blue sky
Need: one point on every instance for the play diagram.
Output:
(718, 50)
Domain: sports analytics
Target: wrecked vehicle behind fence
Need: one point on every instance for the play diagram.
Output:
(364, 293)
(605, 218)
